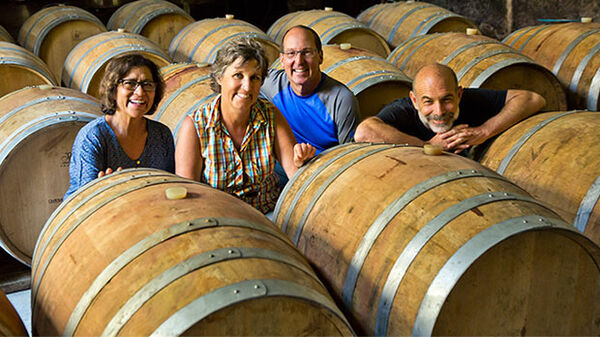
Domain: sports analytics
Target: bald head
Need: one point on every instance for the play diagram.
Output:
(438, 73)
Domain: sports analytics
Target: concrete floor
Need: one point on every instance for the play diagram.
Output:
(21, 300)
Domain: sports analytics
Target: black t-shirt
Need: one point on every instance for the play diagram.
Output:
(476, 107)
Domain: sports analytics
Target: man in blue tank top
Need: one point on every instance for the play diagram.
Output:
(320, 110)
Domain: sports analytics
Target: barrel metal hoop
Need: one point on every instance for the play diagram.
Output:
(38, 20)
(384, 218)
(399, 51)
(581, 67)
(530, 37)
(419, 241)
(357, 89)
(178, 92)
(594, 92)
(326, 184)
(39, 245)
(170, 275)
(326, 17)
(500, 65)
(57, 21)
(517, 34)
(180, 37)
(339, 28)
(26, 130)
(517, 146)
(569, 49)
(377, 13)
(480, 58)
(212, 55)
(80, 220)
(104, 58)
(423, 42)
(465, 47)
(587, 205)
(351, 59)
(141, 23)
(401, 20)
(369, 74)
(44, 100)
(191, 110)
(275, 36)
(417, 29)
(439, 18)
(465, 256)
(308, 181)
(207, 35)
(232, 294)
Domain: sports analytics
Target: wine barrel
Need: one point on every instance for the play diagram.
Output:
(37, 128)
(480, 62)
(187, 87)
(553, 156)
(21, 68)
(333, 28)
(200, 41)
(85, 65)
(414, 244)
(207, 264)
(400, 21)
(572, 52)
(10, 322)
(374, 81)
(5, 35)
(158, 20)
(53, 32)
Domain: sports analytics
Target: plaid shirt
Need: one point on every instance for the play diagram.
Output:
(249, 173)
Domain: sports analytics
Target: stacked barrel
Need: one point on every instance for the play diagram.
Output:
(367, 239)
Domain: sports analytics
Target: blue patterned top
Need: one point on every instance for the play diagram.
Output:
(97, 148)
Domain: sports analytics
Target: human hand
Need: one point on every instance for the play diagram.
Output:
(453, 139)
(302, 153)
(107, 171)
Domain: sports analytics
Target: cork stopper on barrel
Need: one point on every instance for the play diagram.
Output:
(229, 16)
(345, 46)
(432, 150)
(472, 31)
(329, 9)
(174, 193)
(586, 19)
(121, 30)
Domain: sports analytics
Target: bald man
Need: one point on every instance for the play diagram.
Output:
(441, 112)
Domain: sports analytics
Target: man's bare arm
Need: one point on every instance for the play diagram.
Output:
(373, 129)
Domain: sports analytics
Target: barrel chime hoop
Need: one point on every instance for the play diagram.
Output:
(192, 109)
(587, 205)
(581, 67)
(401, 20)
(178, 92)
(569, 49)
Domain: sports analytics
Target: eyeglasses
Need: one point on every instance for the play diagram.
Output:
(131, 85)
(308, 53)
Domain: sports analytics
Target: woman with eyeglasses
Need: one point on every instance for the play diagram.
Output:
(123, 138)
(232, 142)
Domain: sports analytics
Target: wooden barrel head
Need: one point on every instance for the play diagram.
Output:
(37, 130)
(10, 322)
(23, 69)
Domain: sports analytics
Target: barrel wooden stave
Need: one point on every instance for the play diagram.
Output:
(200, 41)
(555, 164)
(158, 20)
(53, 32)
(85, 65)
(480, 62)
(10, 322)
(333, 28)
(400, 21)
(339, 221)
(85, 257)
(5, 35)
(38, 126)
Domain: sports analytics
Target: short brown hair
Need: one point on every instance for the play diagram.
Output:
(244, 47)
(121, 66)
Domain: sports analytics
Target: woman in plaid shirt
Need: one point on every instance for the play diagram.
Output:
(232, 142)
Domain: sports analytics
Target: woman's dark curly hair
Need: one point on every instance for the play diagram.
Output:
(241, 47)
(116, 69)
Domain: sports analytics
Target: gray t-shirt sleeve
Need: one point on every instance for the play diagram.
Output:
(342, 106)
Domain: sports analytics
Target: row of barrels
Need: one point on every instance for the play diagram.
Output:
(397, 317)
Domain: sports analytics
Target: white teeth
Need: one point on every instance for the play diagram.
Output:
(242, 95)
(137, 102)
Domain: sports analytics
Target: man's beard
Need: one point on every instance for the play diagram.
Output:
(439, 128)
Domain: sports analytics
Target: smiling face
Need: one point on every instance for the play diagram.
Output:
(436, 97)
(302, 69)
(138, 102)
(240, 85)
